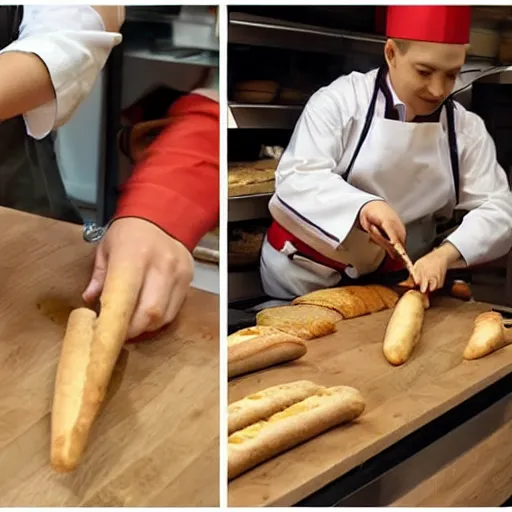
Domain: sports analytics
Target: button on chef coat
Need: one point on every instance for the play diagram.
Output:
(72, 42)
(309, 182)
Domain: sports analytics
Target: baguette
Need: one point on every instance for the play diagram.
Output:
(71, 422)
(90, 350)
(263, 404)
(304, 321)
(296, 424)
(489, 335)
(256, 348)
(351, 301)
(404, 327)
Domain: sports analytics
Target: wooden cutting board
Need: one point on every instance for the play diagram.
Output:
(399, 400)
(156, 441)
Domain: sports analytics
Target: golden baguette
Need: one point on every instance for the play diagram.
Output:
(296, 424)
(488, 336)
(256, 348)
(263, 404)
(71, 416)
(404, 328)
(90, 350)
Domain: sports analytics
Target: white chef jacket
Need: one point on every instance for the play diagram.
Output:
(74, 45)
(308, 177)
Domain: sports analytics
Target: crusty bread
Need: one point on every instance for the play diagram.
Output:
(90, 350)
(488, 335)
(305, 321)
(351, 301)
(403, 331)
(294, 425)
(71, 421)
(256, 91)
(248, 178)
(263, 404)
(389, 296)
(256, 348)
(250, 333)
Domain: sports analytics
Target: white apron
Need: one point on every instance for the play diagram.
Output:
(413, 166)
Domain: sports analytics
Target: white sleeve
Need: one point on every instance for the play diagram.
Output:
(306, 186)
(486, 231)
(72, 42)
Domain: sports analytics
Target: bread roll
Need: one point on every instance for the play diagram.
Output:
(256, 91)
(488, 335)
(305, 321)
(90, 350)
(263, 404)
(350, 301)
(256, 348)
(404, 327)
(294, 425)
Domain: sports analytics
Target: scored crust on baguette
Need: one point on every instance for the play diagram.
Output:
(488, 336)
(294, 425)
(351, 301)
(404, 328)
(305, 321)
(267, 402)
(263, 351)
(389, 296)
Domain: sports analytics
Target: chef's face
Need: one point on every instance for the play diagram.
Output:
(423, 74)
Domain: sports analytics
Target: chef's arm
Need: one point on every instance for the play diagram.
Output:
(50, 69)
(486, 230)
(307, 188)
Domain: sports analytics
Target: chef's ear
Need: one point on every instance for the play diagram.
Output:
(390, 52)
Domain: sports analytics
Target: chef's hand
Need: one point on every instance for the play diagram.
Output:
(378, 214)
(430, 270)
(166, 268)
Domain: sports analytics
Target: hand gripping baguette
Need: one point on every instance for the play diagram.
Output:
(263, 404)
(286, 429)
(489, 335)
(259, 347)
(404, 327)
(90, 350)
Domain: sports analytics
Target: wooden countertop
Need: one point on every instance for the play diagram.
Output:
(399, 400)
(156, 441)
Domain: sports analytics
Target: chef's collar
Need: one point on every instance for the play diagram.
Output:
(399, 112)
(399, 105)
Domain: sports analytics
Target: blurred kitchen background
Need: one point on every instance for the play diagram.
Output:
(166, 52)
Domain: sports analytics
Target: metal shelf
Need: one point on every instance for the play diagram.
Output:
(248, 207)
(263, 116)
(202, 58)
(260, 31)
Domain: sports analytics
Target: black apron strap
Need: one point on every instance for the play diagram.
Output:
(367, 121)
(452, 141)
(391, 114)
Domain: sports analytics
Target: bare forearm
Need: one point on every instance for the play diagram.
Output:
(452, 255)
(24, 84)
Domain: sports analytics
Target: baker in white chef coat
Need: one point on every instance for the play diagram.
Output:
(389, 149)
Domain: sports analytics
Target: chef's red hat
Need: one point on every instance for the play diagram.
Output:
(434, 23)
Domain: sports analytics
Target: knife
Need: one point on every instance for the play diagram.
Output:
(397, 247)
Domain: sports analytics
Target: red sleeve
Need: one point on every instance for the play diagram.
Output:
(176, 186)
